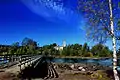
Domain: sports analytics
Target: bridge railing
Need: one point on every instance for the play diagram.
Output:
(21, 60)
(8, 61)
(27, 60)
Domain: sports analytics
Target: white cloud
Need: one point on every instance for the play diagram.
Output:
(49, 9)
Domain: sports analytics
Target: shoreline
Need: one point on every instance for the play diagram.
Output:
(65, 72)
(80, 57)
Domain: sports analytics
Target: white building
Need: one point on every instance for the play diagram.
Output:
(60, 47)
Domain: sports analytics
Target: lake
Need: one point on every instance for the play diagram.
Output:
(105, 62)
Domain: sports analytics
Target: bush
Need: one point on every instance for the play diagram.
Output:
(88, 54)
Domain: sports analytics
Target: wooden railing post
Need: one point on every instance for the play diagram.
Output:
(20, 60)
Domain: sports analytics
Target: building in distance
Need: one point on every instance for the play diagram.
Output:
(60, 47)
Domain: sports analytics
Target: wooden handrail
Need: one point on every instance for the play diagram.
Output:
(27, 59)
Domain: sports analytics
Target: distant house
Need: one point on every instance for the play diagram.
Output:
(60, 47)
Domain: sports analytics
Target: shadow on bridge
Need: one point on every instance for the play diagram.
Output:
(39, 71)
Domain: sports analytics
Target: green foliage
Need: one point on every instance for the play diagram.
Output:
(49, 50)
(72, 50)
(100, 50)
(88, 54)
(85, 49)
(29, 46)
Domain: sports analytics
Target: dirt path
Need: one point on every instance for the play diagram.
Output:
(14, 69)
(10, 73)
(72, 77)
(7, 76)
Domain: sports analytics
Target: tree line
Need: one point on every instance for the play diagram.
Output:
(29, 46)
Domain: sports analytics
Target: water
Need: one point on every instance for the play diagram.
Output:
(104, 62)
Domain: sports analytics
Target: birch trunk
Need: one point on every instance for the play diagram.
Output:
(114, 43)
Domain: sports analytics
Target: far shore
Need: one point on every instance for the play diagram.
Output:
(80, 57)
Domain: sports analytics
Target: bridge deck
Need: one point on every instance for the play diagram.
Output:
(15, 69)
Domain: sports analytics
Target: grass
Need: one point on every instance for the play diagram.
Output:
(98, 75)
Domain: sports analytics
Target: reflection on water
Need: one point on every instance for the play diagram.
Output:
(105, 62)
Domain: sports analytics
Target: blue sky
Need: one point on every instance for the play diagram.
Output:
(44, 22)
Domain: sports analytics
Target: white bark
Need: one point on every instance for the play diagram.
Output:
(114, 43)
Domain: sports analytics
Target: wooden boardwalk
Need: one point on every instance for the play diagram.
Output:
(21, 64)
(35, 67)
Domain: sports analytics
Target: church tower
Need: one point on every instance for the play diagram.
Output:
(64, 43)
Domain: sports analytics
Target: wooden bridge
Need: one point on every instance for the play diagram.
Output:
(30, 65)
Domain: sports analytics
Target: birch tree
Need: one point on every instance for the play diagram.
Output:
(102, 17)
